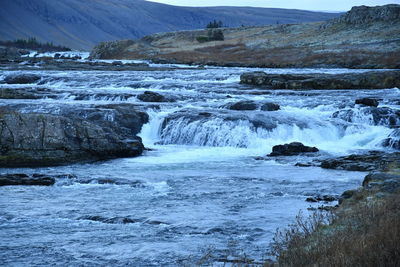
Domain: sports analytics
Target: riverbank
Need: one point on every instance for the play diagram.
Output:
(365, 37)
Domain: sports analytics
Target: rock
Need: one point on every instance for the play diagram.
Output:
(107, 50)
(324, 198)
(346, 195)
(113, 220)
(243, 105)
(117, 63)
(366, 80)
(364, 15)
(291, 149)
(22, 78)
(374, 160)
(367, 102)
(270, 107)
(32, 140)
(149, 96)
(24, 179)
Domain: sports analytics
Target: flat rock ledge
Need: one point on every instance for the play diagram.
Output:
(33, 140)
(372, 161)
(366, 80)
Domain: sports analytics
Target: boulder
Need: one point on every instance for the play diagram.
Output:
(291, 149)
(32, 140)
(24, 179)
(269, 106)
(367, 102)
(384, 182)
(149, 96)
(243, 105)
(22, 78)
(366, 80)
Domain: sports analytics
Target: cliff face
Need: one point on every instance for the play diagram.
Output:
(362, 38)
(363, 15)
(82, 24)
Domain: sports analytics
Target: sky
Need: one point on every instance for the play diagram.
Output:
(320, 5)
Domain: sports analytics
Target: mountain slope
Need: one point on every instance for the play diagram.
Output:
(82, 24)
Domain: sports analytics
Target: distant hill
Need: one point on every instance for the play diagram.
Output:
(81, 24)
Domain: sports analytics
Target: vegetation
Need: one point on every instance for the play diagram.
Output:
(212, 35)
(32, 43)
(366, 233)
(214, 24)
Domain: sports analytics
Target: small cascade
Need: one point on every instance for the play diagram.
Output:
(219, 132)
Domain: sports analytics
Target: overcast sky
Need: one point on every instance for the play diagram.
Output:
(324, 5)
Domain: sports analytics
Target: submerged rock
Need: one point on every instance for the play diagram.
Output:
(22, 78)
(377, 116)
(24, 179)
(31, 140)
(291, 149)
(366, 80)
(367, 102)
(269, 106)
(393, 140)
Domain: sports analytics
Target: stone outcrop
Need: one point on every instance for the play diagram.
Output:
(364, 15)
(372, 161)
(30, 140)
(366, 80)
(110, 49)
(294, 148)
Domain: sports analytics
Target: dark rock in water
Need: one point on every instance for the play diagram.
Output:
(393, 140)
(291, 149)
(31, 140)
(117, 63)
(113, 220)
(22, 78)
(367, 102)
(374, 160)
(243, 105)
(366, 80)
(324, 198)
(270, 107)
(380, 116)
(24, 179)
(149, 96)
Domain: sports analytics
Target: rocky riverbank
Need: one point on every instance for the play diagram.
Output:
(365, 80)
(365, 37)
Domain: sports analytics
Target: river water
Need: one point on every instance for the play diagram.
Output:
(199, 191)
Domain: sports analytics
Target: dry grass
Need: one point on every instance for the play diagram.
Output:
(366, 233)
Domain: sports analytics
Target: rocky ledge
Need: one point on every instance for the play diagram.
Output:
(366, 80)
(372, 161)
(24, 179)
(32, 140)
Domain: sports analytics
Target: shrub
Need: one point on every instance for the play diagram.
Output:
(365, 234)
(214, 24)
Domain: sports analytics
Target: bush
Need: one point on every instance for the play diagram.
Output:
(365, 234)
(215, 35)
(202, 39)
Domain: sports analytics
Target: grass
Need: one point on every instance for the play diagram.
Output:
(365, 233)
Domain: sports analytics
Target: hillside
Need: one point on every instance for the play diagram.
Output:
(365, 37)
(82, 24)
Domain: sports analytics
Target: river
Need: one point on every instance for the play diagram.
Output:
(199, 190)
